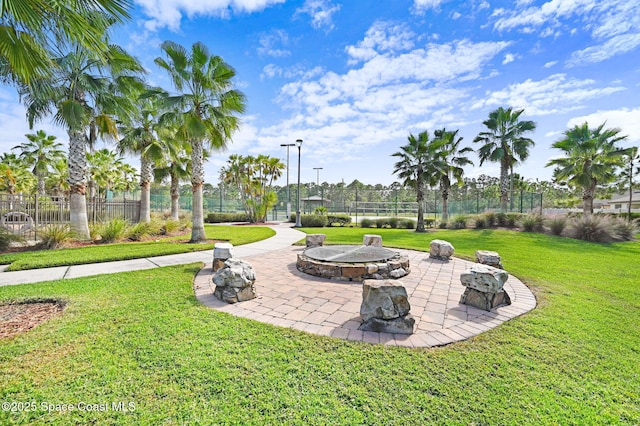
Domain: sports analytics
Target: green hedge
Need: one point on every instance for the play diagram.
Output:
(338, 219)
(313, 220)
(226, 217)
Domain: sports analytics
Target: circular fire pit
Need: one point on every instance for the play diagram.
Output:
(352, 263)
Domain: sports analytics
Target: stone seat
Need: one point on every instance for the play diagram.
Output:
(315, 240)
(441, 250)
(372, 240)
(490, 258)
(221, 253)
(484, 287)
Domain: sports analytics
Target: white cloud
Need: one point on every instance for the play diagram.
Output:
(508, 58)
(550, 64)
(269, 43)
(169, 13)
(612, 47)
(420, 6)
(627, 120)
(382, 37)
(553, 95)
(320, 11)
(456, 15)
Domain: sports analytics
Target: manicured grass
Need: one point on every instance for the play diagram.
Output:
(236, 235)
(142, 337)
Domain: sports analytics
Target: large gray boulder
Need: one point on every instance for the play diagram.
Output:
(234, 281)
(385, 307)
(490, 258)
(484, 287)
(441, 250)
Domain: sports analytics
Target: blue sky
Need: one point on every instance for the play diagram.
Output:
(354, 78)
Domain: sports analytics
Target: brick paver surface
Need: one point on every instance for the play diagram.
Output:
(290, 298)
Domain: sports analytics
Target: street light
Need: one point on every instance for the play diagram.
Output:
(317, 169)
(288, 187)
(298, 223)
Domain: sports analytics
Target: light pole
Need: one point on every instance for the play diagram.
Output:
(298, 223)
(288, 187)
(317, 169)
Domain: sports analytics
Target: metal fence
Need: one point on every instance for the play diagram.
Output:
(25, 214)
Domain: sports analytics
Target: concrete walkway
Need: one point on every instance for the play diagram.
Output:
(285, 237)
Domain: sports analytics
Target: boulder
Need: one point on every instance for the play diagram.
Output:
(372, 240)
(484, 287)
(221, 253)
(441, 250)
(234, 281)
(315, 240)
(490, 258)
(385, 307)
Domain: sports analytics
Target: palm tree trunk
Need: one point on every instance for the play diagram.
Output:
(41, 186)
(78, 185)
(444, 186)
(420, 200)
(146, 174)
(504, 186)
(175, 196)
(587, 199)
(197, 180)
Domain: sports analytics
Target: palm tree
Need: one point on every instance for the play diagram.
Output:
(80, 94)
(58, 179)
(104, 167)
(41, 151)
(207, 104)
(452, 159)
(175, 164)
(15, 177)
(413, 168)
(591, 158)
(632, 168)
(504, 143)
(140, 137)
(26, 27)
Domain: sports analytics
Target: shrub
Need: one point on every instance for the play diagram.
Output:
(226, 217)
(54, 236)
(491, 219)
(624, 230)
(340, 219)
(408, 224)
(292, 217)
(170, 227)
(512, 219)
(429, 223)
(533, 222)
(313, 220)
(393, 222)
(458, 222)
(140, 230)
(480, 222)
(382, 222)
(591, 228)
(366, 223)
(113, 230)
(6, 238)
(320, 210)
(442, 225)
(501, 219)
(557, 225)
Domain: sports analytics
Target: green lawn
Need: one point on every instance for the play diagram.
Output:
(142, 337)
(236, 235)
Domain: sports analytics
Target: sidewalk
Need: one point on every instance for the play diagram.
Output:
(285, 237)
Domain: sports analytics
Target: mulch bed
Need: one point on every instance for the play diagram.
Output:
(20, 317)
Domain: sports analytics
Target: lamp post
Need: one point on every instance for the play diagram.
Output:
(288, 187)
(317, 169)
(298, 223)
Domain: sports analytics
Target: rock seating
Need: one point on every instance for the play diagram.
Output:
(484, 287)
(441, 250)
(315, 240)
(221, 253)
(234, 281)
(372, 240)
(490, 258)
(385, 307)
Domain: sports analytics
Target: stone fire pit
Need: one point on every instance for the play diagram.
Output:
(353, 263)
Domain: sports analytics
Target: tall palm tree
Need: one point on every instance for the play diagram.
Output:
(140, 136)
(208, 105)
(104, 167)
(80, 94)
(41, 152)
(631, 170)
(413, 168)
(504, 143)
(452, 159)
(15, 177)
(26, 27)
(175, 165)
(58, 179)
(591, 157)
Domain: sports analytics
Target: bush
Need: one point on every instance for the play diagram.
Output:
(591, 228)
(533, 222)
(429, 223)
(340, 219)
(382, 222)
(408, 224)
(226, 217)
(313, 220)
(54, 236)
(512, 219)
(491, 219)
(442, 225)
(170, 227)
(292, 217)
(480, 222)
(624, 230)
(140, 230)
(6, 238)
(557, 225)
(501, 219)
(393, 222)
(320, 210)
(458, 222)
(366, 223)
(113, 230)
